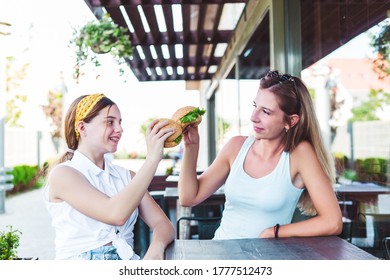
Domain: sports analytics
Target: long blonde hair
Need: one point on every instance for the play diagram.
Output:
(294, 98)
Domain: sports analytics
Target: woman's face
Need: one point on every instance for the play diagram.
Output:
(267, 117)
(105, 130)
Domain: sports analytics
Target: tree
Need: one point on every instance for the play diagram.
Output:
(377, 99)
(145, 124)
(53, 112)
(367, 111)
(15, 74)
(381, 43)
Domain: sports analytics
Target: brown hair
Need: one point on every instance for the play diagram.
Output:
(294, 98)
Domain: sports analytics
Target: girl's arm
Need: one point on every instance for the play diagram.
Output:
(193, 190)
(68, 184)
(158, 222)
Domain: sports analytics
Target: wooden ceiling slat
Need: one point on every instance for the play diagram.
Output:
(161, 60)
(186, 15)
(153, 25)
(168, 17)
(203, 10)
(214, 39)
(137, 24)
(117, 3)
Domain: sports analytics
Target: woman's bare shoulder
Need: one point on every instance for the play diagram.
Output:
(236, 142)
(233, 146)
(304, 154)
(303, 147)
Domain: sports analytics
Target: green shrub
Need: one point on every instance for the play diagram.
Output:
(372, 165)
(341, 162)
(350, 174)
(372, 170)
(23, 174)
(9, 243)
(26, 177)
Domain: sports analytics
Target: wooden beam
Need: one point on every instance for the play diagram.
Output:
(250, 19)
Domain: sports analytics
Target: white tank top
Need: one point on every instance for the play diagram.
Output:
(77, 233)
(254, 204)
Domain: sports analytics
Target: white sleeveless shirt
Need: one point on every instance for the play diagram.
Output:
(77, 233)
(254, 204)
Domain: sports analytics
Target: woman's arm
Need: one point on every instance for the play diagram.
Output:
(158, 222)
(193, 190)
(328, 220)
(188, 182)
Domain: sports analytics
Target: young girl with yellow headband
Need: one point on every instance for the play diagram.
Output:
(94, 204)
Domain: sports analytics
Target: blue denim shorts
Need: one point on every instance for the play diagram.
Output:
(101, 253)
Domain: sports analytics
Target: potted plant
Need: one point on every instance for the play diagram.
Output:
(9, 243)
(99, 37)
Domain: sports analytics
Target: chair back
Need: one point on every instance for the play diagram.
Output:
(205, 226)
(386, 248)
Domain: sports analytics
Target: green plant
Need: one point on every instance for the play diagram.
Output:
(9, 243)
(26, 177)
(367, 111)
(53, 111)
(101, 36)
(169, 171)
(223, 126)
(341, 162)
(350, 174)
(380, 41)
(372, 170)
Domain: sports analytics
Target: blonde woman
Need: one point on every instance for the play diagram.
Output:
(94, 204)
(266, 175)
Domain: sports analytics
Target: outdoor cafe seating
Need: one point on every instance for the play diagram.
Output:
(386, 247)
(365, 228)
(202, 222)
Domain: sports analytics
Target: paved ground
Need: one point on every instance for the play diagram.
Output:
(27, 213)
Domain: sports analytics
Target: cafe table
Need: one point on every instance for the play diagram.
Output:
(363, 195)
(364, 192)
(299, 248)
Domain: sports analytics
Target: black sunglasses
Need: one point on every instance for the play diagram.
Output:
(284, 78)
(280, 76)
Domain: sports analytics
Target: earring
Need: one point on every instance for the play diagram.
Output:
(286, 129)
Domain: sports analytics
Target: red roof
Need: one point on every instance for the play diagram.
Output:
(357, 73)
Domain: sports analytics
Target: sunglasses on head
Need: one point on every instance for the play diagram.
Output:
(284, 78)
(280, 76)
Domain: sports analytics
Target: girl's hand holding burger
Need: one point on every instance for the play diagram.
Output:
(156, 134)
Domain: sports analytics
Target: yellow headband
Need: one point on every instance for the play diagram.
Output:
(84, 107)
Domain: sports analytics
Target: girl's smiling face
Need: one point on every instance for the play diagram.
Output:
(105, 130)
(267, 117)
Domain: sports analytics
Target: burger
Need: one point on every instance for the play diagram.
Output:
(176, 137)
(182, 118)
(188, 115)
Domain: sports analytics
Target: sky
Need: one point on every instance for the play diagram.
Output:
(357, 47)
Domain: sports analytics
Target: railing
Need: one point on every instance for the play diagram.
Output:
(5, 185)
